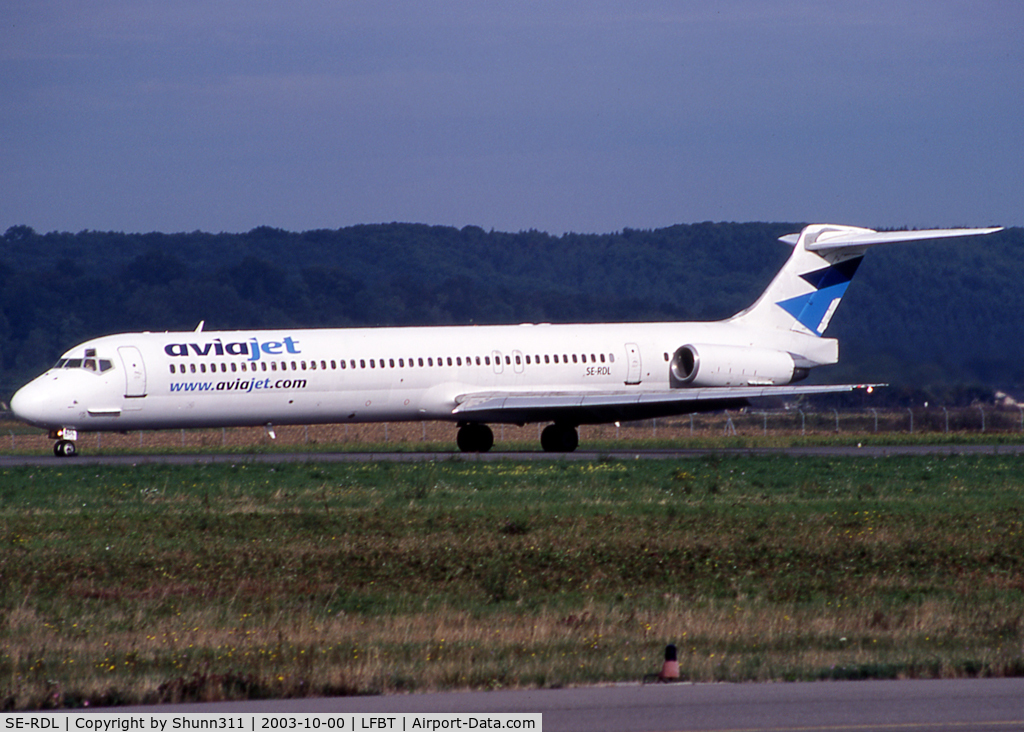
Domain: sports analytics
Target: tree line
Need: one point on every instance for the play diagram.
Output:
(939, 318)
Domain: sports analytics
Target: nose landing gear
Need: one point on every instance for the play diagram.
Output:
(65, 444)
(64, 448)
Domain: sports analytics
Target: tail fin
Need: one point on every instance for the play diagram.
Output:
(805, 293)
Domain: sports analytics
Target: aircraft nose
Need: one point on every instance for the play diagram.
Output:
(29, 404)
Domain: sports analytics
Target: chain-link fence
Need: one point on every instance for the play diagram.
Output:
(974, 421)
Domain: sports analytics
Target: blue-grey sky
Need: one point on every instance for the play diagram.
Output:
(177, 115)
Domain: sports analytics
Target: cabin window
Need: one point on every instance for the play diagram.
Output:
(527, 359)
(574, 358)
(547, 358)
(449, 360)
(312, 365)
(508, 361)
(172, 368)
(391, 362)
(593, 358)
(565, 359)
(611, 357)
(487, 360)
(666, 357)
(602, 358)
(273, 365)
(519, 361)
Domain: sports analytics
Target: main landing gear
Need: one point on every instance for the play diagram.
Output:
(475, 438)
(559, 438)
(556, 437)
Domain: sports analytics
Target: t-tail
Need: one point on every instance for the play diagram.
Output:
(805, 293)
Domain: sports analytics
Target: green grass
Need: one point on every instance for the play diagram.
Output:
(160, 582)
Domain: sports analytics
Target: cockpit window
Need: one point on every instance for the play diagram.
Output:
(90, 363)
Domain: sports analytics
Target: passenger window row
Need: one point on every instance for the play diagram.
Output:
(381, 363)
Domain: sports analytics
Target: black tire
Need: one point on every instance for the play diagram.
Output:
(475, 438)
(65, 448)
(559, 438)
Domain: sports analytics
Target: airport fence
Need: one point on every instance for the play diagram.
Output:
(792, 423)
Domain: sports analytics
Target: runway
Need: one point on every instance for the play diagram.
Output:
(960, 704)
(867, 451)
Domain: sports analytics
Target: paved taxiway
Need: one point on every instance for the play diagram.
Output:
(960, 704)
(868, 451)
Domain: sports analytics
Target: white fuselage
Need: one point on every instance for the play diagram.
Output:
(302, 376)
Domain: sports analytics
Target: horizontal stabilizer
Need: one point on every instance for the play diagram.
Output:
(848, 236)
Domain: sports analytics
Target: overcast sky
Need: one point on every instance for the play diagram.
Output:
(223, 115)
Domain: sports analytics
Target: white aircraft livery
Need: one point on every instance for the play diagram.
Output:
(567, 375)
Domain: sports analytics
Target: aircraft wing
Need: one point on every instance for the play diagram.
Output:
(598, 407)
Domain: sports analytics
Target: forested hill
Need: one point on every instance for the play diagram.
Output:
(936, 313)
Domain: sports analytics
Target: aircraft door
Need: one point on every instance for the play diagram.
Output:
(134, 371)
(633, 364)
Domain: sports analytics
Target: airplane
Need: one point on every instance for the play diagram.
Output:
(568, 374)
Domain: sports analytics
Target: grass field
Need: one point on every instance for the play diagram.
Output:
(160, 583)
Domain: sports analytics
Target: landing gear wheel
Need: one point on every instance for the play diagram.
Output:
(475, 438)
(64, 448)
(559, 438)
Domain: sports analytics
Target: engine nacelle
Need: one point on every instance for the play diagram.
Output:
(713, 365)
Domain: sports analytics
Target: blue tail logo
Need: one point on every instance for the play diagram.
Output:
(814, 310)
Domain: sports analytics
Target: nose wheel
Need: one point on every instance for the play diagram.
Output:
(64, 448)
